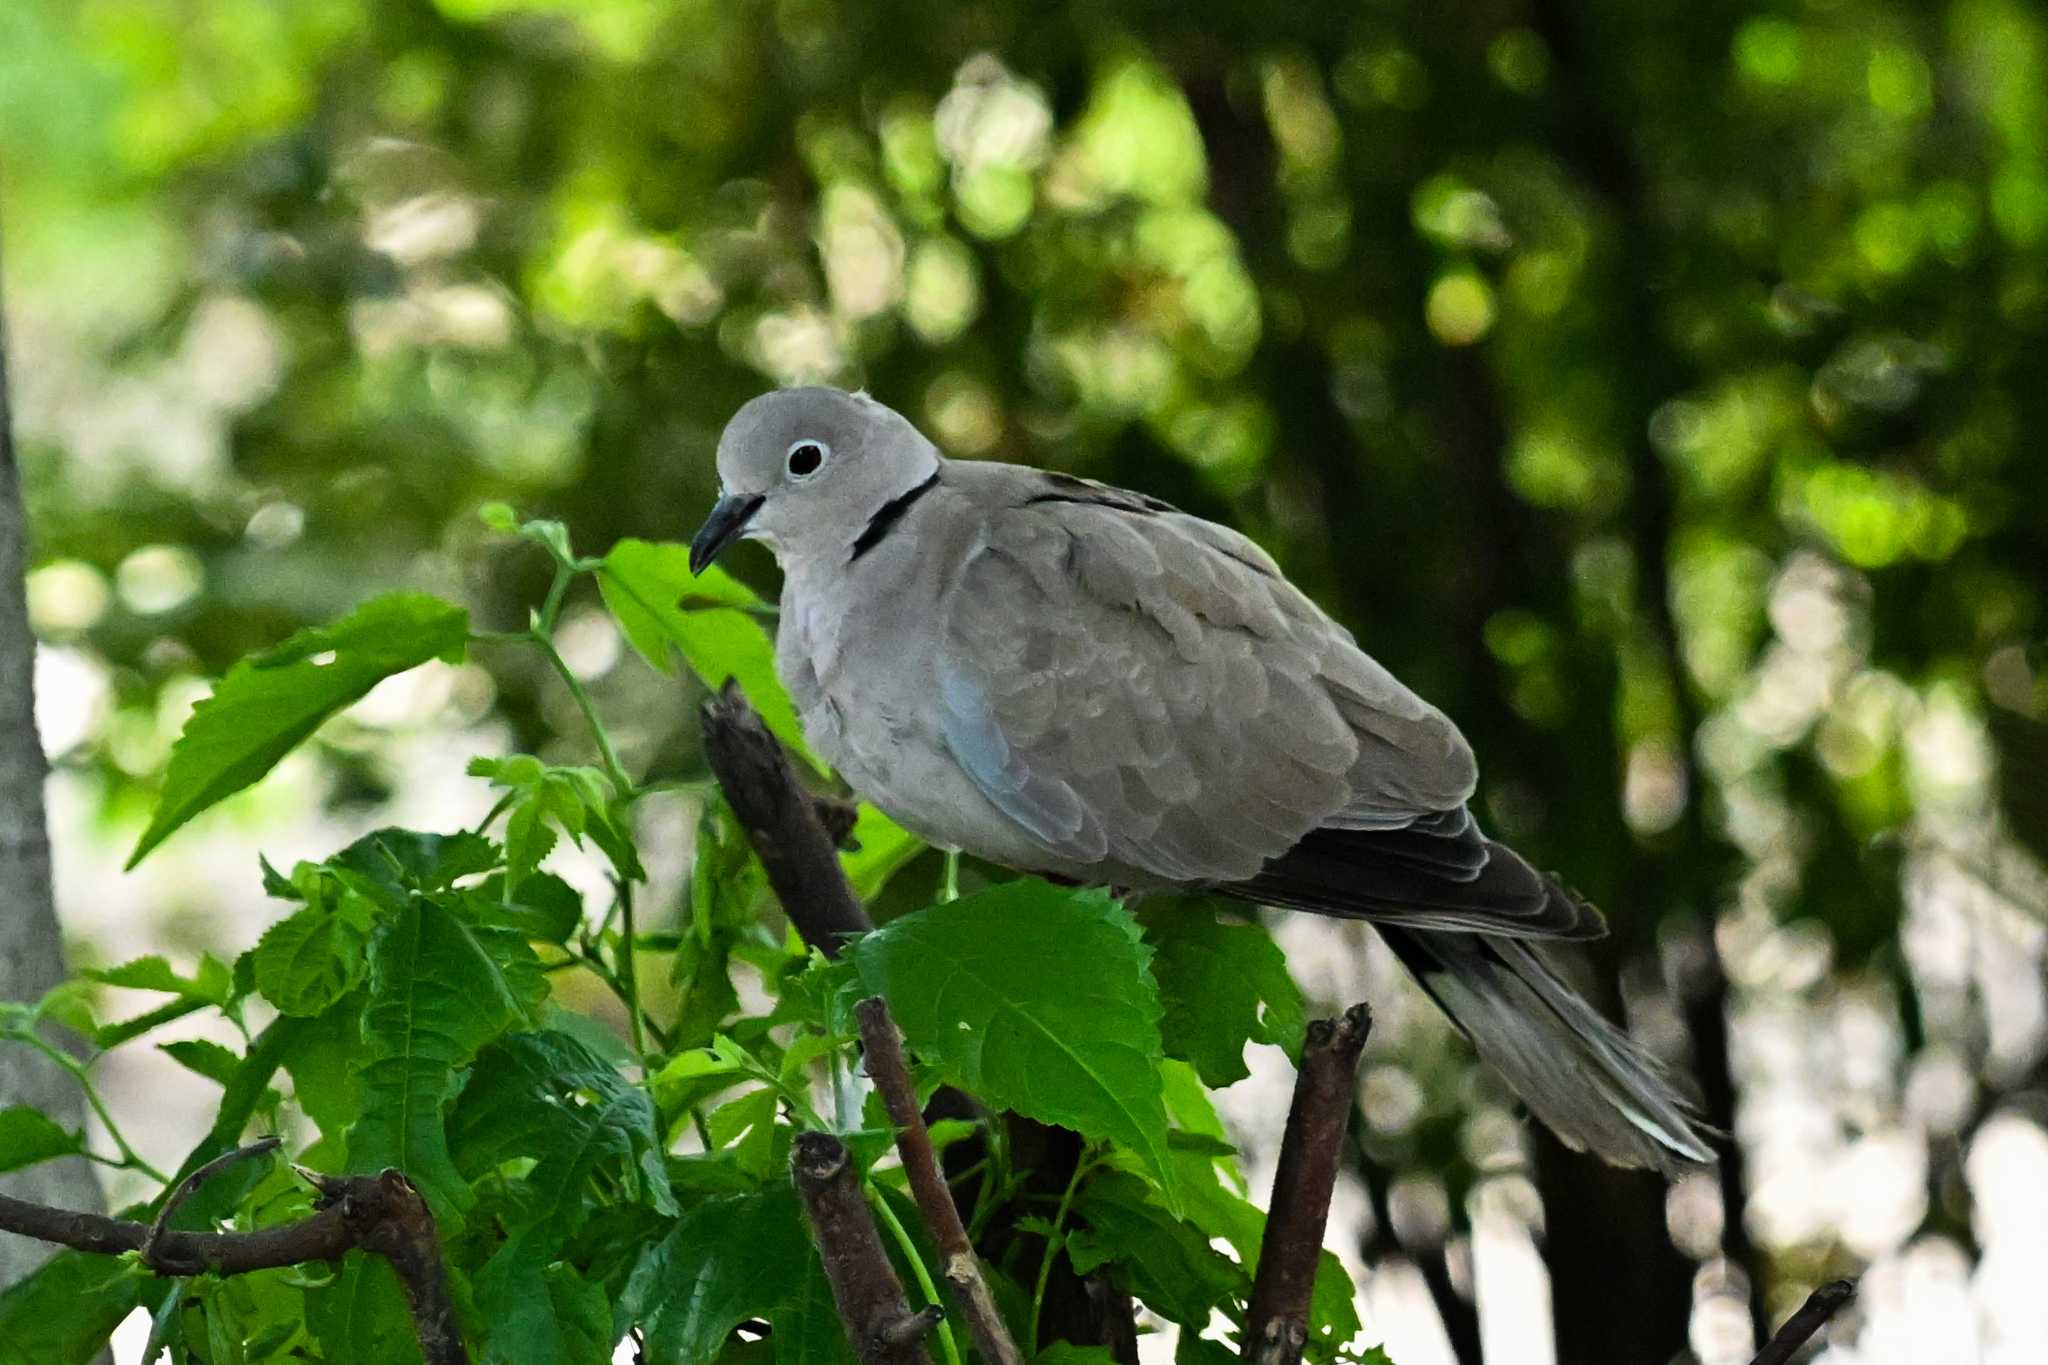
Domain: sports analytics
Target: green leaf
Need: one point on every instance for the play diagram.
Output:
(1223, 984)
(360, 1314)
(747, 1125)
(64, 1312)
(540, 1313)
(727, 1260)
(307, 962)
(806, 1330)
(322, 1064)
(204, 1058)
(647, 584)
(268, 703)
(884, 849)
(1033, 999)
(440, 988)
(28, 1136)
(1164, 1260)
(545, 1097)
(1068, 1353)
(386, 864)
(543, 907)
(209, 983)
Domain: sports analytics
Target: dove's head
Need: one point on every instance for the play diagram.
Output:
(806, 470)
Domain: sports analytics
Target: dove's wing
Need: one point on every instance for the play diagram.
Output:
(1141, 689)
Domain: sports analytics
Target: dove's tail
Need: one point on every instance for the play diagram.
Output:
(1585, 1078)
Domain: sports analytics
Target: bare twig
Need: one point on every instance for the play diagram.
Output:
(189, 1186)
(885, 1064)
(878, 1318)
(1813, 1315)
(382, 1214)
(1276, 1325)
(782, 823)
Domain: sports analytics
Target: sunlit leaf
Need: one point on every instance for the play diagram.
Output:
(268, 703)
(662, 606)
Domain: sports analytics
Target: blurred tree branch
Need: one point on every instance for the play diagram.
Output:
(31, 944)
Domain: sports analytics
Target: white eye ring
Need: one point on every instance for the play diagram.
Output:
(789, 458)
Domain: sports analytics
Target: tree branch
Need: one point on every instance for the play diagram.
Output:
(878, 1318)
(891, 1075)
(782, 822)
(1276, 1323)
(189, 1186)
(784, 825)
(1813, 1315)
(382, 1214)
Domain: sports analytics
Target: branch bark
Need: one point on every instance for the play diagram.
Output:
(381, 1214)
(891, 1075)
(782, 822)
(1813, 1315)
(1276, 1323)
(870, 1298)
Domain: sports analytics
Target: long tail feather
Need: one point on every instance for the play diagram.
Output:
(1585, 1078)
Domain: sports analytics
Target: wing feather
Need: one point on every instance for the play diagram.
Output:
(1141, 688)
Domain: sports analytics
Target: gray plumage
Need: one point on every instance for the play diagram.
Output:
(1085, 682)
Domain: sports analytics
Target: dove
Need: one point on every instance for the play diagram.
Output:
(1085, 683)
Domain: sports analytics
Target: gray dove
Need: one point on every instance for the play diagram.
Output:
(1078, 681)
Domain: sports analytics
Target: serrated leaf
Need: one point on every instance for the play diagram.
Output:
(646, 584)
(305, 963)
(727, 1260)
(1162, 1259)
(267, 704)
(1034, 999)
(546, 1097)
(28, 1136)
(209, 983)
(1222, 984)
(387, 865)
(440, 989)
(204, 1058)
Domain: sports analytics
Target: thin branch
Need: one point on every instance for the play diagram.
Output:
(1276, 1323)
(1813, 1315)
(870, 1299)
(782, 822)
(891, 1075)
(382, 1214)
(189, 1186)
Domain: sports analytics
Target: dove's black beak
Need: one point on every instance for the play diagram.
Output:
(729, 517)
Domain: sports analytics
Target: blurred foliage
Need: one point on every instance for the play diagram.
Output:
(1654, 389)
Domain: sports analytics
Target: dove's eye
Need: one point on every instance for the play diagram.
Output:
(806, 458)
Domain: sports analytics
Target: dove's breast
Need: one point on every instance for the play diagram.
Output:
(856, 648)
